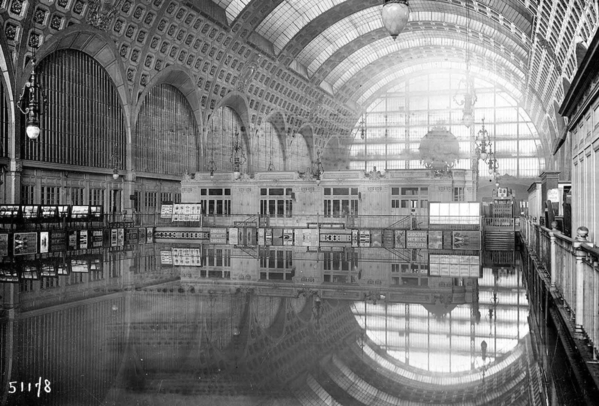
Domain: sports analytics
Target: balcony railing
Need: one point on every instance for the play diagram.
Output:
(573, 265)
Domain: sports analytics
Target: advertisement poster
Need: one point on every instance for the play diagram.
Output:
(435, 240)
(261, 236)
(416, 239)
(149, 235)
(113, 237)
(166, 257)
(288, 236)
(83, 239)
(364, 238)
(121, 237)
(97, 238)
(58, 241)
(376, 238)
(72, 239)
(4, 245)
(233, 236)
(466, 240)
(25, 243)
(44, 242)
(268, 236)
(166, 211)
(400, 239)
(218, 236)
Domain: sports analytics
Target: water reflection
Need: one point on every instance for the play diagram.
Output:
(361, 327)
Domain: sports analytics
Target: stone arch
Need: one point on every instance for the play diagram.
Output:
(238, 102)
(278, 120)
(7, 78)
(307, 131)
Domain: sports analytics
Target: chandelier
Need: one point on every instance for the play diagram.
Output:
(317, 168)
(237, 158)
(395, 15)
(466, 96)
(483, 143)
(29, 103)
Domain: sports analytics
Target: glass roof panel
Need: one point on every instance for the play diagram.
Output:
(289, 18)
(368, 20)
(368, 54)
(386, 77)
(232, 7)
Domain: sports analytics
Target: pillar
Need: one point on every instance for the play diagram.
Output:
(553, 255)
(581, 238)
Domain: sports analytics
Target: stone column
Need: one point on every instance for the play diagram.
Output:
(581, 238)
(553, 254)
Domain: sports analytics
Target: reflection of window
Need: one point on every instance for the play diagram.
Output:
(276, 264)
(340, 202)
(341, 267)
(50, 194)
(458, 194)
(96, 197)
(276, 202)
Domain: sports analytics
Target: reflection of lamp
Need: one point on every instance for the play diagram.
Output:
(466, 96)
(395, 15)
(115, 161)
(29, 103)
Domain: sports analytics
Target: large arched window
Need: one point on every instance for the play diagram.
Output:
(84, 124)
(166, 133)
(224, 130)
(298, 154)
(388, 134)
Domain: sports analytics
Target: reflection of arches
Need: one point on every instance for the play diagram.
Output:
(298, 153)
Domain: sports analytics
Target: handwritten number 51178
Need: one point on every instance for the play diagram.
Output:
(13, 386)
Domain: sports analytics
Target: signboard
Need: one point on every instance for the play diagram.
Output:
(218, 236)
(187, 212)
(44, 242)
(83, 239)
(187, 256)
(416, 239)
(3, 245)
(120, 237)
(166, 257)
(113, 237)
(288, 236)
(376, 238)
(31, 213)
(72, 240)
(166, 211)
(306, 237)
(49, 213)
(9, 212)
(435, 240)
(149, 235)
(261, 236)
(131, 236)
(462, 266)
(80, 213)
(400, 239)
(466, 240)
(268, 236)
(58, 241)
(233, 236)
(97, 239)
(354, 238)
(25, 244)
(364, 238)
(79, 265)
(96, 213)
(388, 238)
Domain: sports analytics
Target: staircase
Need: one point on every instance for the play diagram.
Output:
(500, 240)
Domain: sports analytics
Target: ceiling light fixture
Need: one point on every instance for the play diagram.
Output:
(395, 15)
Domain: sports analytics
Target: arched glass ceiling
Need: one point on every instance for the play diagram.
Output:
(387, 77)
(370, 53)
(232, 7)
(369, 20)
(290, 17)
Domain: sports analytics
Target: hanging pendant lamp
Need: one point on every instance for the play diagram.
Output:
(395, 15)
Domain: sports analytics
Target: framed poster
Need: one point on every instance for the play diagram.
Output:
(49, 213)
(73, 240)
(44, 242)
(97, 238)
(80, 213)
(83, 238)
(113, 237)
(79, 265)
(25, 244)
(31, 212)
(149, 235)
(120, 237)
(58, 241)
(3, 244)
